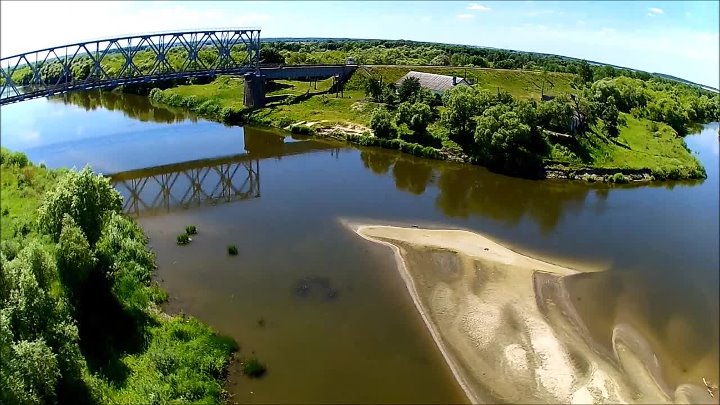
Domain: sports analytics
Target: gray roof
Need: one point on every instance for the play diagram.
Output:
(434, 82)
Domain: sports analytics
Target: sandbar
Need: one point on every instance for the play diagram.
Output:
(507, 328)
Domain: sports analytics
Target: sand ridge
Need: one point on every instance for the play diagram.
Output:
(508, 331)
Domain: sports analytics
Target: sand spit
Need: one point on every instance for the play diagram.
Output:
(508, 330)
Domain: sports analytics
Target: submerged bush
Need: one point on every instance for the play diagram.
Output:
(183, 239)
(232, 250)
(252, 367)
(191, 230)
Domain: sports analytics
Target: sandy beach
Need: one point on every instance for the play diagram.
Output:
(508, 330)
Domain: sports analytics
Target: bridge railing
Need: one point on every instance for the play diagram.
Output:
(131, 59)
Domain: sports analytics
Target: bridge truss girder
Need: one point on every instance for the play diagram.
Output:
(192, 187)
(87, 65)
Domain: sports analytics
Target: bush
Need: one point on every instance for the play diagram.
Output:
(86, 197)
(75, 260)
(302, 130)
(381, 122)
(232, 250)
(191, 230)
(252, 367)
(18, 159)
(618, 178)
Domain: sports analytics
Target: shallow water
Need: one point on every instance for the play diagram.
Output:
(279, 200)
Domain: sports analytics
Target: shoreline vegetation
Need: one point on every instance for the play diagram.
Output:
(545, 119)
(507, 327)
(80, 314)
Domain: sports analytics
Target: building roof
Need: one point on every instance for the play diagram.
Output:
(434, 82)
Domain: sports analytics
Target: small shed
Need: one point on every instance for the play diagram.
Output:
(435, 83)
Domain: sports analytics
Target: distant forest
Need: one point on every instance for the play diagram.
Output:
(402, 52)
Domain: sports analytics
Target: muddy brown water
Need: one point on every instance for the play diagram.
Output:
(326, 310)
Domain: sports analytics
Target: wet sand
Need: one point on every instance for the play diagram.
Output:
(507, 328)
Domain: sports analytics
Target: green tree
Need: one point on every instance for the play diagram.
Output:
(611, 117)
(556, 114)
(409, 89)
(505, 142)
(75, 260)
(373, 88)
(381, 122)
(31, 373)
(86, 197)
(585, 72)
(461, 105)
(389, 94)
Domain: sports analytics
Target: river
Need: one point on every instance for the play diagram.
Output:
(327, 311)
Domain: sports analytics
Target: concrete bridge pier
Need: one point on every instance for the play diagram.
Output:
(254, 90)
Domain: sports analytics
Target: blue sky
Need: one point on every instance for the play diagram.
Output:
(678, 38)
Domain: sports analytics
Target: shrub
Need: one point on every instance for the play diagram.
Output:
(86, 197)
(381, 122)
(232, 250)
(74, 258)
(18, 159)
(302, 130)
(252, 367)
(618, 178)
(191, 230)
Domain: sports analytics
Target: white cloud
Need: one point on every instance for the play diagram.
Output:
(478, 7)
(653, 11)
(465, 16)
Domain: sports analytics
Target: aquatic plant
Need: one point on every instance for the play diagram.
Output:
(232, 250)
(252, 367)
(183, 239)
(191, 230)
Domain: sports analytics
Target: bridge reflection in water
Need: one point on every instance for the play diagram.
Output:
(166, 188)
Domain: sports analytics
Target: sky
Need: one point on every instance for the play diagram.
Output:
(676, 38)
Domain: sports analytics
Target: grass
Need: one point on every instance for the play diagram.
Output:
(22, 191)
(636, 147)
(232, 250)
(191, 230)
(184, 360)
(519, 83)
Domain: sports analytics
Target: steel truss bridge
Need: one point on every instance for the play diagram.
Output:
(126, 60)
(189, 184)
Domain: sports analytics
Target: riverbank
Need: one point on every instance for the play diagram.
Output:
(507, 327)
(82, 320)
(642, 151)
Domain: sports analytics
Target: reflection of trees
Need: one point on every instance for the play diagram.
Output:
(378, 162)
(466, 191)
(133, 106)
(266, 142)
(412, 176)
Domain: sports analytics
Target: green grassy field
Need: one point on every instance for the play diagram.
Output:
(636, 147)
(519, 83)
(226, 91)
